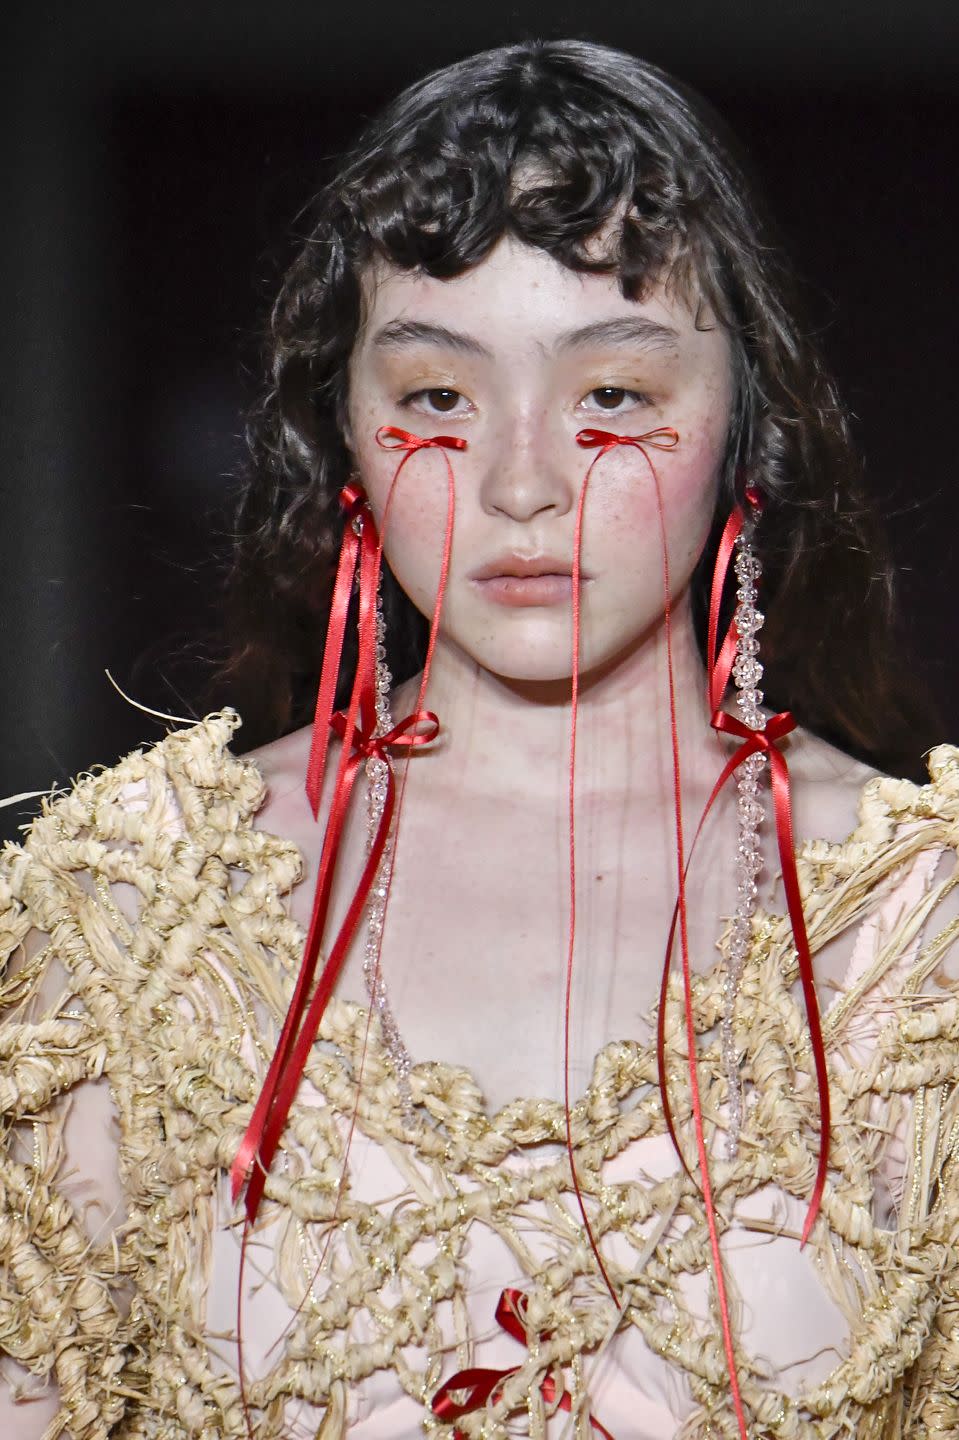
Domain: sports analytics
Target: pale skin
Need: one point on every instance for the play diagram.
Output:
(475, 946)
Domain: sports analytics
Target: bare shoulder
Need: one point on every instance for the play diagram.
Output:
(285, 810)
(282, 763)
(827, 786)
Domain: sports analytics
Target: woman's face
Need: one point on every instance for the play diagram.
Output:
(516, 356)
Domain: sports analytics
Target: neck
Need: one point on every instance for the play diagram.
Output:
(509, 738)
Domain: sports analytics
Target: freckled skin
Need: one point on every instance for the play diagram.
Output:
(518, 482)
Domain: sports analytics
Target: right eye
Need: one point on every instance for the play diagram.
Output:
(439, 400)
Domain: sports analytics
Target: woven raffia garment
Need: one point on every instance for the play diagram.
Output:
(148, 947)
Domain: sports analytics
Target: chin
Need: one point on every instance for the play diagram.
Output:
(549, 664)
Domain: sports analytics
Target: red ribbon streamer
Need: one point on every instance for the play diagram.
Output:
(608, 441)
(664, 438)
(719, 669)
(354, 503)
(356, 728)
(483, 1385)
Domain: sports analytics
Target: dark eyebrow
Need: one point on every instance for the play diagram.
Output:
(399, 333)
(635, 330)
(624, 330)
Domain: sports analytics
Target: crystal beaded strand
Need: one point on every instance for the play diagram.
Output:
(376, 774)
(747, 674)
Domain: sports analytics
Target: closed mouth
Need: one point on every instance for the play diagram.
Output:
(525, 567)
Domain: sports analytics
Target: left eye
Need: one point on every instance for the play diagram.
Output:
(612, 397)
(437, 400)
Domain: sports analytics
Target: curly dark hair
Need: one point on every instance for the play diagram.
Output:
(555, 143)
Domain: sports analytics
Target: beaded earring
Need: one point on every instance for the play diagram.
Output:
(379, 770)
(759, 748)
(747, 672)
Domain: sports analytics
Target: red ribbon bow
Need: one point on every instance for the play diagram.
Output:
(406, 440)
(483, 1385)
(665, 438)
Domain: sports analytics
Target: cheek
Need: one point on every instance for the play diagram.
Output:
(413, 523)
(689, 503)
(628, 512)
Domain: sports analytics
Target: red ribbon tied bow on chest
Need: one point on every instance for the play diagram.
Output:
(482, 1386)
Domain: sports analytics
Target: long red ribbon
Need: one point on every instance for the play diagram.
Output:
(358, 532)
(360, 545)
(608, 441)
(719, 668)
(483, 1385)
(663, 438)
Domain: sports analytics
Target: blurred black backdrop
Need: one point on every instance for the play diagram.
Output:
(157, 159)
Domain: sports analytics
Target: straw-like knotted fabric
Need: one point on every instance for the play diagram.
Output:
(177, 1006)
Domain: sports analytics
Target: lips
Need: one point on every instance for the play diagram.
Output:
(527, 580)
(525, 567)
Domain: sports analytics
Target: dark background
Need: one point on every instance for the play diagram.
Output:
(157, 157)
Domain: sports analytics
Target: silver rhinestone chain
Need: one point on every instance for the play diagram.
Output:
(376, 773)
(747, 674)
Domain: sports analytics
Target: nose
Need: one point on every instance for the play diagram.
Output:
(527, 470)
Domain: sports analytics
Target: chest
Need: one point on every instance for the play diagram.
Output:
(475, 957)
